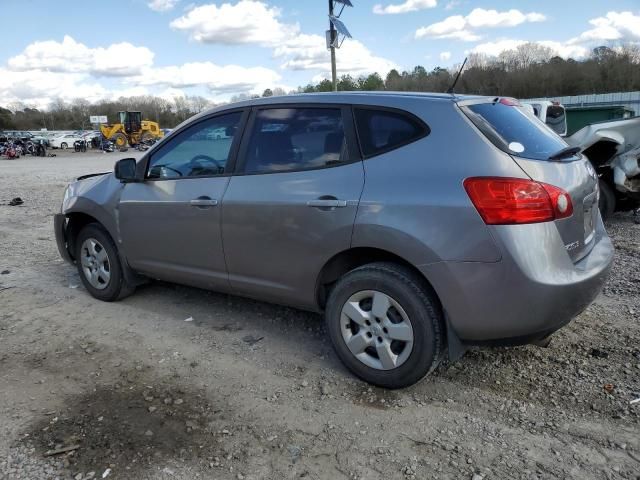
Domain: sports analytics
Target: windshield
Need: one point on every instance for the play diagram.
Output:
(515, 131)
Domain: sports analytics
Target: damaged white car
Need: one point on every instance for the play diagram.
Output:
(613, 147)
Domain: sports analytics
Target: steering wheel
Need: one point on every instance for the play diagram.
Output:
(208, 159)
(167, 168)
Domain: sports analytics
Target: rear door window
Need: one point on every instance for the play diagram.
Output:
(380, 131)
(513, 130)
(293, 139)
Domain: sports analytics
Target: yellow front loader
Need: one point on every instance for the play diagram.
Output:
(131, 129)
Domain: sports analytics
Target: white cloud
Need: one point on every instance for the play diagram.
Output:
(407, 6)
(565, 50)
(614, 26)
(40, 88)
(494, 49)
(69, 56)
(452, 4)
(255, 22)
(248, 21)
(445, 56)
(481, 18)
(308, 52)
(463, 27)
(454, 27)
(162, 5)
(217, 78)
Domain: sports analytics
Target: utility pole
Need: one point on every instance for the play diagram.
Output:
(336, 30)
(332, 36)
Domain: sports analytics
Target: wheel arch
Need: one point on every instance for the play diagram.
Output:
(355, 257)
(601, 152)
(76, 221)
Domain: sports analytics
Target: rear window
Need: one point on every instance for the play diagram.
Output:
(380, 131)
(514, 131)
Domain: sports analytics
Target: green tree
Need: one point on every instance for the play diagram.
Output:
(6, 119)
(325, 86)
(393, 80)
(370, 83)
(346, 83)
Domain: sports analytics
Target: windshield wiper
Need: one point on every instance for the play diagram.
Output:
(565, 153)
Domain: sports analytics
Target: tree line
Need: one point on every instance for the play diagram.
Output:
(528, 71)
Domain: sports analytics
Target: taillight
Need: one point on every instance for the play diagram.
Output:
(508, 201)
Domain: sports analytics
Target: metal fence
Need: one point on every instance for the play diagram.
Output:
(630, 100)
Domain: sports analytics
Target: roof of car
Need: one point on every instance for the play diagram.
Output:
(337, 97)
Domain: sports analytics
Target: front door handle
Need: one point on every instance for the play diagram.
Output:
(327, 203)
(203, 202)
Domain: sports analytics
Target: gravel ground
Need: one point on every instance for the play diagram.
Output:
(251, 390)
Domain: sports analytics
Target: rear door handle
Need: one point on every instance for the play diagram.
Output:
(203, 202)
(319, 203)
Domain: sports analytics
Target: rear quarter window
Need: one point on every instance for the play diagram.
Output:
(381, 131)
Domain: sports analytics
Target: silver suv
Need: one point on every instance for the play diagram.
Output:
(415, 222)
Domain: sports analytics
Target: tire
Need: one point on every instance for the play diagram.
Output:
(106, 289)
(63, 146)
(418, 308)
(607, 202)
(119, 140)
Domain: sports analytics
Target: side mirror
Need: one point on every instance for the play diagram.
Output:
(125, 170)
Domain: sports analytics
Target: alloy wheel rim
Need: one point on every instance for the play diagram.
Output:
(95, 263)
(376, 330)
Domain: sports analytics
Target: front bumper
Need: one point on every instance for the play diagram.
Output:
(60, 229)
(533, 291)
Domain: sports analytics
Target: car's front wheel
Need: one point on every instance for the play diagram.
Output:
(63, 146)
(385, 325)
(99, 265)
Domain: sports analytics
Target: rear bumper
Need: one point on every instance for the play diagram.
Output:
(533, 291)
(60, 229)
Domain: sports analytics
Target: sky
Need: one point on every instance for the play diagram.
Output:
(218, 49)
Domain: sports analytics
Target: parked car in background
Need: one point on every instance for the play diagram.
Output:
(476, 224)
(89, 136)
(551, 113)
(65, 141)
(17, 135)
(40, 137)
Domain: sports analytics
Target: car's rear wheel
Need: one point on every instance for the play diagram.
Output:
(63, 146)
(385, 325)
(99, 265)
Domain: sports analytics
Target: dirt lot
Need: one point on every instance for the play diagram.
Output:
(250, 390)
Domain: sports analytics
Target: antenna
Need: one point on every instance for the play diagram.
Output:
(453, 85)
(336, 30)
